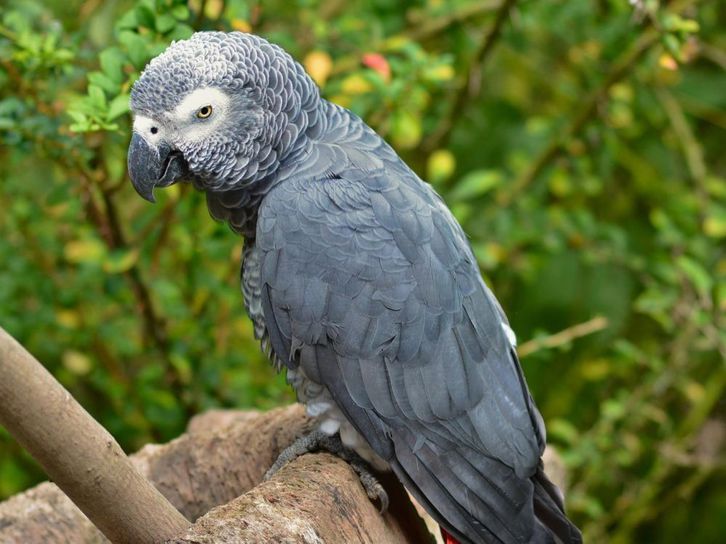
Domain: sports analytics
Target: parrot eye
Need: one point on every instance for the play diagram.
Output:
(204, 112)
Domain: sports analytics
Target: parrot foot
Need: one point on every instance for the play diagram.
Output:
(318, 440)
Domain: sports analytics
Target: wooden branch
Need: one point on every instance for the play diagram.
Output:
(223, 455)
(78, 454)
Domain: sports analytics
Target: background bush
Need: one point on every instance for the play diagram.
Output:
(581, 145)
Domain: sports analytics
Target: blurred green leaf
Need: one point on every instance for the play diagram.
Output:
(136, 47)
(120, 261)
(112, 61)
(405, 129)
(85, 251)
(118, 106)
(476, 184)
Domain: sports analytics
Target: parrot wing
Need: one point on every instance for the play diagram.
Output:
(369, 284)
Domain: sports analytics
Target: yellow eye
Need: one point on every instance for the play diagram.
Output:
(204, 112)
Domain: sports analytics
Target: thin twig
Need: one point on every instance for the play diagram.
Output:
(466, 91)
(431, 27)
(713, 54)
(563, 337)
(634, 505)
(105, 219)
(644, 495)
(154, 324)
(688, 142)
(199, 18)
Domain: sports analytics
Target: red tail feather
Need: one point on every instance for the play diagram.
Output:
(448, 539)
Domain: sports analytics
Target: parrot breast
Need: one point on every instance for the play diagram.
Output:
(318, 401)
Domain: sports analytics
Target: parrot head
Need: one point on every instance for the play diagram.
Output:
(220, 110)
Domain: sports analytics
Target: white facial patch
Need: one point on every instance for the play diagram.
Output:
(149, 129)
(510, 334)
(185, 114)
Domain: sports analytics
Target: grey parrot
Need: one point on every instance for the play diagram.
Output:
(359, 282)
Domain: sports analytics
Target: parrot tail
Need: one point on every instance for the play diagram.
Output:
(448, 539)
(549, 509)
(469, 505)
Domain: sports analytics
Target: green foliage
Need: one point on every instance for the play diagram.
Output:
(581, 148)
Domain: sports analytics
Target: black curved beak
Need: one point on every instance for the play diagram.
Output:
(153, 166)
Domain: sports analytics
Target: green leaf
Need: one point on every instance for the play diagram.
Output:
(180, 11)
(100, 79)
(89, 250)
(97, 97)
(112, 61)
(180, 32)
(127, 21)
(657, 302)
(164, 23)
(562, 430)
(475, 184)
(120, 261)
(714, 224)
(118, 107)
(77, 116)
(136, 46)
(673, 45)
(406, 129)
(696, 273)
(76, 362)
(145, 16)
(440, 165)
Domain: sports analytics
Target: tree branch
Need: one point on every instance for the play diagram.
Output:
(78, 454)
(223, 455)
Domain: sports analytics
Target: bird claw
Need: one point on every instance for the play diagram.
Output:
(373, 487)
(316, 441)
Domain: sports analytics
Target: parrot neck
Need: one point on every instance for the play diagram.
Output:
(238, 207)
(328, 139)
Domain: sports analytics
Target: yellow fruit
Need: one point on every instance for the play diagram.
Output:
(319, 65)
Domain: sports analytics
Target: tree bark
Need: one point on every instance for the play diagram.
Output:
(78, 454)
(220, 461)
(304, 502)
